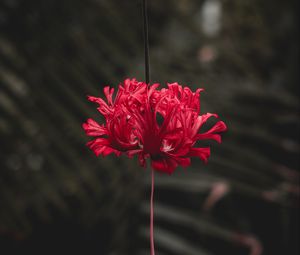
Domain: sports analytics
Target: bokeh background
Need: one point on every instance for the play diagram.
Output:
(56, 197)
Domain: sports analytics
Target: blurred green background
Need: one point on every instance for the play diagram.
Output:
(56, 197)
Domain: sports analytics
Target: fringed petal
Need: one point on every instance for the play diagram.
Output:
(184, 162)
(202, 153)
(103, 108)
(109, 94)
(206, 116)
(101, 146)
(166, 165)
(213, 132)
(92, 128)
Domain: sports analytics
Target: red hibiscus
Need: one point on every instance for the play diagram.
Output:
(162, 125)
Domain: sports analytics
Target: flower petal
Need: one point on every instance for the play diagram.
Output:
(131, 153)
(166, 165)
(184, 162)
(202, 153)
(109, 93)
(211, 134)
(102, 146)
(103, 107)
(206, 116)
(92, 128)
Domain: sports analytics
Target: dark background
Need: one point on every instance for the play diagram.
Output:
(56, 197)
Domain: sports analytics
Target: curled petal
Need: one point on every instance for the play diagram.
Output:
(101, 146)
(212, 133)
(92, 128)
(103, 107)
(184, 162)
(152, 89)
(142, 159)
(166, 165)
(109, 93)
(206, 116)
(202, 153)
(131, 153)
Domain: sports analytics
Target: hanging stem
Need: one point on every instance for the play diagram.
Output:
(151, 215)
(147, 77)
(146, 41)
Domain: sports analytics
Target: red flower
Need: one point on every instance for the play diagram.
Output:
(162, 125)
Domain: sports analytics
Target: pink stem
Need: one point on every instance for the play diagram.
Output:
(151, 215)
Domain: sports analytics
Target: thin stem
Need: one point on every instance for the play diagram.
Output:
(151, 215)
(147, 77)
(146, 41)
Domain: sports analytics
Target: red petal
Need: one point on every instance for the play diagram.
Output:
(108, 93)
(218, 127)
(166, 165)
(211, 134)
(142, 159)
(185, 162)
(102, 146)
(103, 107)
(202, 153)
(131, 153)
(92, 128)
(206, 116)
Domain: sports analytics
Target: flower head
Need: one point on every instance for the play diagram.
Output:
(163, 125)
